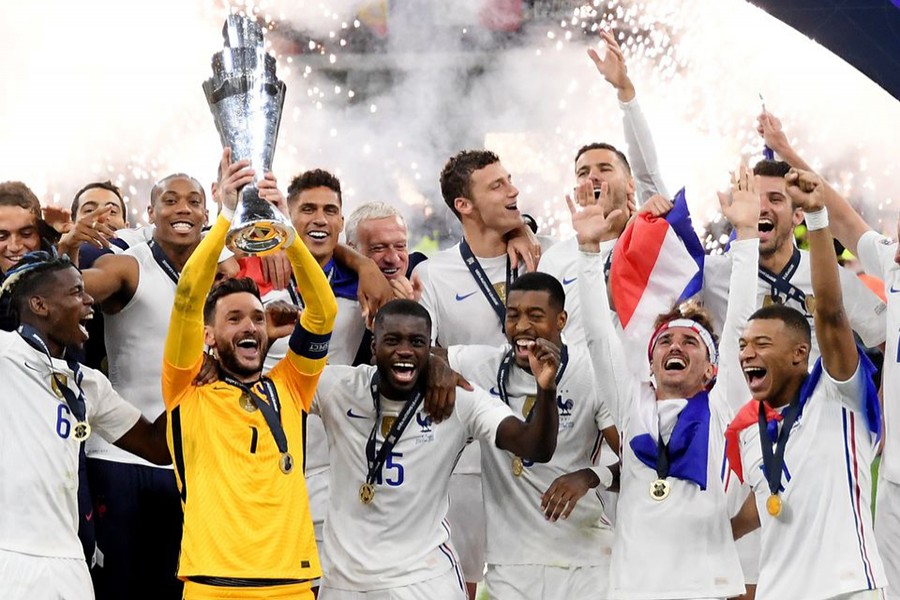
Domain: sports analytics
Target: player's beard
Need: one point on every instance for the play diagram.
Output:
(230, 363)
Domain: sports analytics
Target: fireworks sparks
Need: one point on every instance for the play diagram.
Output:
(386, 111)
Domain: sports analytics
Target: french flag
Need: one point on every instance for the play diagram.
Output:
(657, 263)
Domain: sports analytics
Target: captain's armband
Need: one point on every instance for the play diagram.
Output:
(309, 345)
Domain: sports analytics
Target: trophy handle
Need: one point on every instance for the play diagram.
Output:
(258, 227)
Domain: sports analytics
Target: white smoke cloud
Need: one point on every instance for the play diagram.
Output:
(105, 89)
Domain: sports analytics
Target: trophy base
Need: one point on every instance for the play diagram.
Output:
(259, 238)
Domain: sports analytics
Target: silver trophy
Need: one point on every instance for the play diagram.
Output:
(246, 99)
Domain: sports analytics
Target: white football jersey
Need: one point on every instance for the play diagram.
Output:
(401, 537)
(135, 339)
(517, 531)
(864, 309)
(876, 253)
(658, 543)
(460, 314)
(38, 454)
(561, 261)
(822, 545)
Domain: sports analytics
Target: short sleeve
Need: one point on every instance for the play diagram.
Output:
(876, 253)
(602, 416)
(865, 310)
(480, 413)
(108, 413)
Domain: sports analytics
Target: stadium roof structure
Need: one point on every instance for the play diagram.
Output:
(865, 33)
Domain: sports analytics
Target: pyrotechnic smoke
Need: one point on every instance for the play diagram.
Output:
(103, 89)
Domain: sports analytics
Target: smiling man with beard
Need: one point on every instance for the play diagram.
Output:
(52, 405)
(386, 534)
(673, 506)
(238, 443)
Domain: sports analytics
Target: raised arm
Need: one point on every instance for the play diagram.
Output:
(309, 342)
(836, 342)
(604, 344)
(535, 439)
(638, 138)
(846, 224)
(741, 208)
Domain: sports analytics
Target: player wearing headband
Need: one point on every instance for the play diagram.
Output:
(238, 443)
(51, 405)
(673, 533)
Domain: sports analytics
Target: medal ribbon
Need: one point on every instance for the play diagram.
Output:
(781, 283)
(375, 461)
(662, 458)
(506, 365)
(773, 460)
(163, 261)
(270, 412)
(75, 403)
(484, 284)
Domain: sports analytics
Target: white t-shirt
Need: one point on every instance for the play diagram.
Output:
(517, 531)
(864, 309)
(681, 547)
(876, 253)
(135, 338)
(38, 454)
(822, 545)
(401, 537)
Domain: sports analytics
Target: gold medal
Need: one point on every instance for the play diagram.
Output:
(386, 424)
(286, 463)
(82, 431)
(659, 490)
(366, 493)
(500, 288)
(518, 467)
(247, 403)
(774, 505)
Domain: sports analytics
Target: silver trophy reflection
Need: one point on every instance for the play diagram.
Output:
(246, 99)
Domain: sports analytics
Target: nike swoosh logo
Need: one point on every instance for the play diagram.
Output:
(568, 281)
(460, 298)
(89, 516)
(33, 368)
(494, 392)
(354, 416)
(893, 291)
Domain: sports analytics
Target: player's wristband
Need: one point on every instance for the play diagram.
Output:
(817, 220)
(226, 212)
(604, 475)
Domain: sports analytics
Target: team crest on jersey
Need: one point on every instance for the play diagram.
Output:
(386, 424)
(426, 433)
(500, 288)
(565, 406)
(529, 405)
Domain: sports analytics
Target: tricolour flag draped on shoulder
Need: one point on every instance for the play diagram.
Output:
(657, 263)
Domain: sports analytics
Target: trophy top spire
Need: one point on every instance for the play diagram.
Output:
(241, 32)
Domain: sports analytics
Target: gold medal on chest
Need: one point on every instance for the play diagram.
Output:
(518, 466)
(774, 505)
(247, 403)
(366, 493)
(659, 490)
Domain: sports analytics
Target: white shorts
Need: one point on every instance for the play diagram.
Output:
(526, 582)
(27, 577)
(887, 533)
(445, 587)
(749, 548)
(466, 519)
